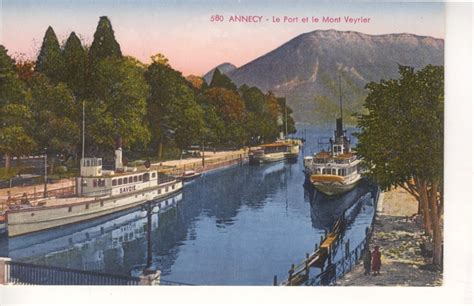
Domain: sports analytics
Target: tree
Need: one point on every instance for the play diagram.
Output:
(55, 116)
(401, 141)
(173, 112)
(75, 58)
(231, 109)
(15, 116)
(50, 60)
(221, 80)
(11, 87)
(117, 106)
(104, 44)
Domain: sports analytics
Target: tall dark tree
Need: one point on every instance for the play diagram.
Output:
(75, 58)
(50, 60)
(401, 141)
(221, 80)
(104, 44)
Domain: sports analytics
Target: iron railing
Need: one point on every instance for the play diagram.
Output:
(335, 271)
(30, 274)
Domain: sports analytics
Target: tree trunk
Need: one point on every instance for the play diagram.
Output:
(436, 224)
(423, 191)
(8, 161)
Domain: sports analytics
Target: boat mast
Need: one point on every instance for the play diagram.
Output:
(83, 127)
(286, 120)
(340, 95)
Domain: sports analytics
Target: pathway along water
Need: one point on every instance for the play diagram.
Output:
(235, 226)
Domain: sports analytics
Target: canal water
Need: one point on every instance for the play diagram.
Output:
(236, 226)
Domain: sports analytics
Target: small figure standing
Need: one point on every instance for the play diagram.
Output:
(376, 260)
(367, 261)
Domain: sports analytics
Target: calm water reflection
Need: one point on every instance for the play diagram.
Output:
(238, 226)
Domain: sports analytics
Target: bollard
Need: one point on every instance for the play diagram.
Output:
(321, 240)
(275, 280)
(315, 247)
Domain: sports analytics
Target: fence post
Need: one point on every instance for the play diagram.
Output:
(150, 277)
(3, 270)
(290, 273)
(306, 266)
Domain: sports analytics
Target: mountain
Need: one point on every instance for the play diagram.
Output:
(306, 69)
(224, 68)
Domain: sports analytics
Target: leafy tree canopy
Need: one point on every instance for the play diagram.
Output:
(50, 60)
(104, 44)
(75, 57)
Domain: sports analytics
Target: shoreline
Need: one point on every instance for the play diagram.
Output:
(399, 235)
(213, 161)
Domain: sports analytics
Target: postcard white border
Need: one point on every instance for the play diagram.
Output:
(457, 288)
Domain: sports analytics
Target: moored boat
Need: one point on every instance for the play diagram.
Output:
(190, 175)
(273, 152)
(98, 193)
(336, 170)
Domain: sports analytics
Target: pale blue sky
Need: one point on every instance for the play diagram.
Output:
(182, 31)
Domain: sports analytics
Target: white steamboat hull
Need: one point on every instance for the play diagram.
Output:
(267, 158)
(31, 220)
(334, 188)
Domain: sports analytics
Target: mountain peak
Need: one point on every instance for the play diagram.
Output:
(306, 68)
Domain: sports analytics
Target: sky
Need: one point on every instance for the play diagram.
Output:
(184, 33)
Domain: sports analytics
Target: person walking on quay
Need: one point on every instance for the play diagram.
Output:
(367, 261)
(376, 260)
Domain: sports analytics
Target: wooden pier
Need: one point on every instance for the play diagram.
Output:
(299, 274)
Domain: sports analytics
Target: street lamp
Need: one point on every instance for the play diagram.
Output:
(45, 193)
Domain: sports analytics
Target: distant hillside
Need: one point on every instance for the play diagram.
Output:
(306, 69)
(225, 68)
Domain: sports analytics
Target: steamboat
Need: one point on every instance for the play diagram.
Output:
(98, 192)
(336, 170)
(273, 152)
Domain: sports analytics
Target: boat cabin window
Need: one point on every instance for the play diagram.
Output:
(146, 177)
(135, 178)
(101, 183)
(88, 163)
(125, 180)
(153, 174)
(114, 182)
(94, 183)
(120, 181)
(334, 171)
(140, 178)
(318, 171)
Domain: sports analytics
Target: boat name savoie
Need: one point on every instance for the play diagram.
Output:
(127, 189)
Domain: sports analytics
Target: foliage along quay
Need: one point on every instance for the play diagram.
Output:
(157, 112)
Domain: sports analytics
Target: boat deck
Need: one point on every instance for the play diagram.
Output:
(48, 202)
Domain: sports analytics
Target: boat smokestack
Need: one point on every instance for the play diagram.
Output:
(339, 130)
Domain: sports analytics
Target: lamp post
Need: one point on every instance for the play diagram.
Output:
(45, 193)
